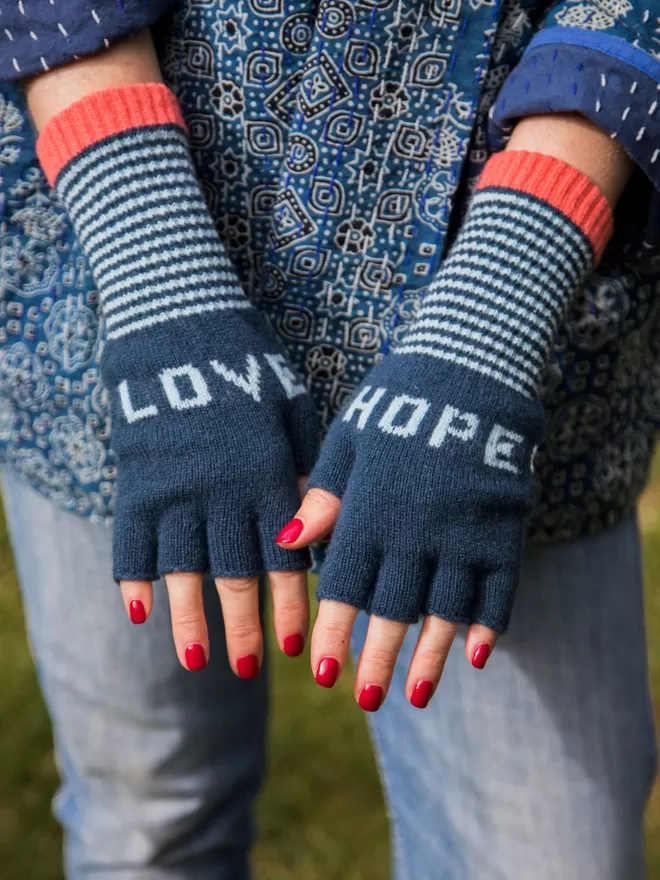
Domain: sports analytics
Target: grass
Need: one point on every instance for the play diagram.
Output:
(321, 815)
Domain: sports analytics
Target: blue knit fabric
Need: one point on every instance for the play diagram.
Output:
(210, 425)
(433, 456)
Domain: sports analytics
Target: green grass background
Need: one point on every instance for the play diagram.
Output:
(321, 815)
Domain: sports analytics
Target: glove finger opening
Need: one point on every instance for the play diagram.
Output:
(233, 542)
(181, 540)
(401, 586)
(135, 547)
(496, 592)
(452, 592)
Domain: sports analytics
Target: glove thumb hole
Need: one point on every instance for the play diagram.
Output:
(333, 469)
(316, 517)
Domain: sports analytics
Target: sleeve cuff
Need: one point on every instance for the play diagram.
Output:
(611, 82)
(39, 36)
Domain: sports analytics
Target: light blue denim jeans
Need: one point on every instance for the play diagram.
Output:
(539, 766)
(536, 768)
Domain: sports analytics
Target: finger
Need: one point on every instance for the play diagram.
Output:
(479, 644)
(331, 640)
(376, 665)
(188, 621)
(315, 518)
(239, 598)
(290, 610)
(428, 660)
(302, 485)
(138, 599)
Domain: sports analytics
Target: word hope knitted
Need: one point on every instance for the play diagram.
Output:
(433, 457)
(210, 425)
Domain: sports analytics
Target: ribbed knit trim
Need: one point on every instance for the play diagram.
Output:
(100, 116)
(558, 184)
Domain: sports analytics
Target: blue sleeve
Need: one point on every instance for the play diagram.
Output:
(599, 59)
(36, 35)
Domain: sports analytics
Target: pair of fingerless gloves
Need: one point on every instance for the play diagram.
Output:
(432, 457)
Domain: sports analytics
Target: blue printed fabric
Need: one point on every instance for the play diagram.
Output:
(37, 35)
(337, 145)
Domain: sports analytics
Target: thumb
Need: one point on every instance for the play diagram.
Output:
(315, 518)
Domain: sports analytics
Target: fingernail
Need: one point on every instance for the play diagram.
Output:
(248, 666)
(371, 696)
(136, 611)
(293, 645)
(327, 672)
(291, 532)
(195, 657)
(421, 694)
(481, 654)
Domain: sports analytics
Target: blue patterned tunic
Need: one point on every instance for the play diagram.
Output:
(337, 144)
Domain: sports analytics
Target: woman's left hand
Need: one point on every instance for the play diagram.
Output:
(331, 636)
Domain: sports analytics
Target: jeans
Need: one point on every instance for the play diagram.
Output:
(536, 768)
(539, 766)
(160, 767)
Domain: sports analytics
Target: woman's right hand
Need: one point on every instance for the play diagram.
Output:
(210, 426)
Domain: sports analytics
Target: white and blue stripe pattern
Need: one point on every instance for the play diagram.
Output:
(138, 212)
(496, 305)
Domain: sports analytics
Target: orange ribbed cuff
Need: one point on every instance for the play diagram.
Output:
(560, 185)
(99, 116)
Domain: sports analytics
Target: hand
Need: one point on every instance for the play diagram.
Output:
(207, 482)
(427, 475)
(430, 523)
(331, 637)
(210, 426)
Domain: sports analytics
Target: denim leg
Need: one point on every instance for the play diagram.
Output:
(539, 766)
(160, 767)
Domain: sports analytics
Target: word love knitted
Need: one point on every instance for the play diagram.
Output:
(433, 458)
(206, 476)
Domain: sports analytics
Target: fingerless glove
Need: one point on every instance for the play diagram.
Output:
(209, 423)
(433, 456)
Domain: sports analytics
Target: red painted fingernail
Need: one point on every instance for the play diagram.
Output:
(136, 611)
(293, 645)
(371, 696)
(327, 672)
(291, 532)
(195, 657)
(248, 666)
(481, 654)
(421, 694)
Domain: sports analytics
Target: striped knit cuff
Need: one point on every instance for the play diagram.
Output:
(535, 229)
(559, 185)
(121, 164)
(101, 115)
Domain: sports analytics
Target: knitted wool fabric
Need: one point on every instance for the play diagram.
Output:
(433, 456)
(209, 423)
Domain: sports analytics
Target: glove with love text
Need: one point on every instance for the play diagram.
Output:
(210, 425)
(433, 456)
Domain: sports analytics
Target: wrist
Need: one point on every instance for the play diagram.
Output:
(100, 116)
(127, 62)
(535, 228)
(120, 162)
(581, 144)
(559, 185)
